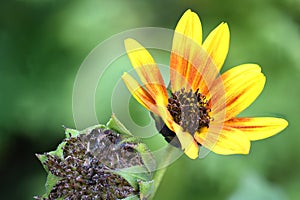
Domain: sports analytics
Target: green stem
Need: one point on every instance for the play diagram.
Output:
(159, 174)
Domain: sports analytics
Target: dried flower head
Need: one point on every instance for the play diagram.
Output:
(98, 163)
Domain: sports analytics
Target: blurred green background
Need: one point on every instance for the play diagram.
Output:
(43, 43)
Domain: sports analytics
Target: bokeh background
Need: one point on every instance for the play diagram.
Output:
(43, 43)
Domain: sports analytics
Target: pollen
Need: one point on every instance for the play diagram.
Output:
(190, 109)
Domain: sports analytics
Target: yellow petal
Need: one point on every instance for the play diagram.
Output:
(192, 68)
(192, 150)
(147, 71)
(258, 128)
(225, 141)
(242, 85)
(138, 92)
(186, 44)
(188, 144)
(190, 26)
(217, 44)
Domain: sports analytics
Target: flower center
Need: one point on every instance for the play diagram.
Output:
(190, 110)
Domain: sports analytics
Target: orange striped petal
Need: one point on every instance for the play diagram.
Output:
(147, 71)
(242, 85)
(195, 69)
(258, 128)
(226, 141)
(138, 92)
(187, 38)
(217, 44)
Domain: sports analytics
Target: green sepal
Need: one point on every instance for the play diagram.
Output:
(147, 157)
(126, 139)
(58, 152)
(71, 132)
(142, 148)
(42, 158)
(133, 197)
(115, 124)
(133, 174)
(140, 181)
(89, 129)
(169, 91)
(146, 189)
(51, 181)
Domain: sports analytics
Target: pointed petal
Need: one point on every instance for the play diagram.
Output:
(192, 150)
(138, 92)
(226, 141)
(187, 38)
(217, 44)
(242, 85)
(190, 26)
(147, 71)
(192, 68)
(258, 128)
(188, 144)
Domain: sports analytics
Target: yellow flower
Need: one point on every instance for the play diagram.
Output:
(202, 107)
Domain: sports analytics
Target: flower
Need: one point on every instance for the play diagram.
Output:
(100, 162)
(202, 107)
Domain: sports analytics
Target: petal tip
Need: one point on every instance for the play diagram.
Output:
(224, 24)
(246, 148)
(124, 75)
(131, 45)
(192, 151)
(283, 123)
(226, 27)
(187, 12)
(128, 40)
